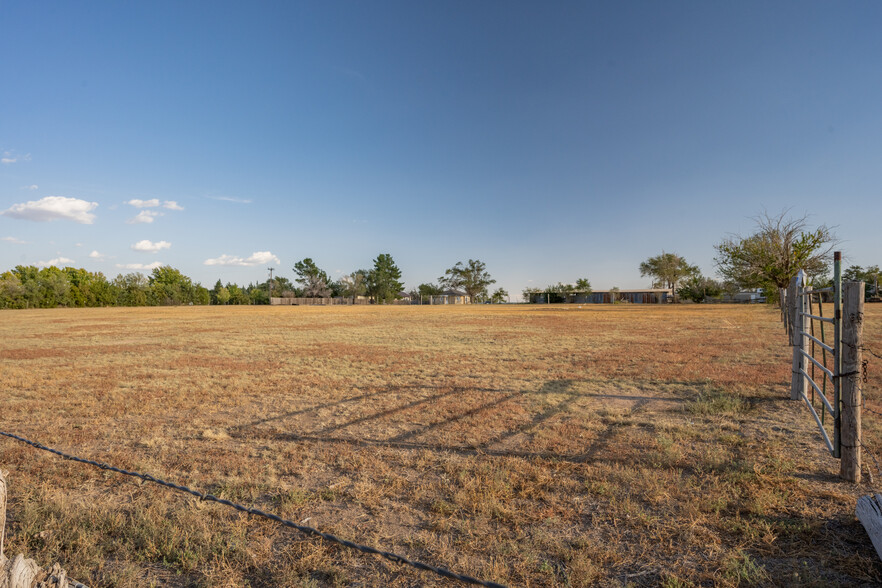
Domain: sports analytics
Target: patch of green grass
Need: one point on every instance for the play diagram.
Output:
(744, 571)
(669, 581)
(715, 401)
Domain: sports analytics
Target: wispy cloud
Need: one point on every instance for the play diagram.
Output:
(172, 205)
(13, 240)
(140, 266)
(150, 247)
(257, 258)
(10, 157)
(32, 187)
(351, 73)
(58, 261)
(152, 203)
(231, 199)
(96, 256)
(145, 216)
(53, 208)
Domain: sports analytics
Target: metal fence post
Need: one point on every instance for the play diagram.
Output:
(850, 380)
(793, 330)
(837, 353)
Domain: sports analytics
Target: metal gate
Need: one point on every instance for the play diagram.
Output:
(817, 357)
(826, 369)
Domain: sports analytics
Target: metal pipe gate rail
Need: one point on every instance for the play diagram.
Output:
(838, 364)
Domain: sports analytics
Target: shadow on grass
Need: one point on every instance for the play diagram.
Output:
(472, 413)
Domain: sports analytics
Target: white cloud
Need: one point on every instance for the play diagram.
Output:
(11, 157)
(13, 240)
(140, 266)
(149, 246)
(53, 208)
(230, 199)
(152, 203)
(145, 216)
(31, 187)
(257, 258)
(96, 256)
(172, 205)
(58, 262)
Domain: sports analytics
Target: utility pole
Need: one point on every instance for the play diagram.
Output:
(270, 284)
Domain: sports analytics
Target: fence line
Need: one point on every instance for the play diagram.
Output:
(310, 531)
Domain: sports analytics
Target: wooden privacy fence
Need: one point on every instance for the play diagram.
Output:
(335, 301)
(827, 366)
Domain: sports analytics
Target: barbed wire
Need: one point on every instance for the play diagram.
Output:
(865, 409)
(873, 456)
(393, 557)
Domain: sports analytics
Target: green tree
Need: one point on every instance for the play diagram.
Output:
(699, 288)
(222, 296)
(500, 295)
(472, 277)
(870, 276)
(258, 294)
(428, 290)
(383, 280)
(215, 291)
(354, 285)
(131, 289)
(238, 295)
(201, 295)
(315, 281)
(43, 288)
(558, 292)
(583, 286)
(529, 294)
(283, 287)
(11, 291)
(89, 288)
(667, 269)
(775, 252)
(168, 286)
(28, 277)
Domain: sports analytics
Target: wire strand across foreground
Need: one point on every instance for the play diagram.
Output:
(393, 557)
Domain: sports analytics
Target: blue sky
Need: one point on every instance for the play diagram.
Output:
(551, 140)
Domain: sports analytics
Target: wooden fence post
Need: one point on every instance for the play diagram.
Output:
(850, 379)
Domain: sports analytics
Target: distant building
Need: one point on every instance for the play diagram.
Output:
(449, 296)
(647, 296)
(756, 296)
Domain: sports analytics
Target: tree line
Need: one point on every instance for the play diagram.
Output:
(50, 287)
(765, 260)
(381, 283)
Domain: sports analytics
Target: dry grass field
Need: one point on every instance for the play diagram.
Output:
(531, 446)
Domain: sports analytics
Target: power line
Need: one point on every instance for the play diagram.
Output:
(393, 557)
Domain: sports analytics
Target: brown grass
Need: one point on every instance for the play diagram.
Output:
(532, 446)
